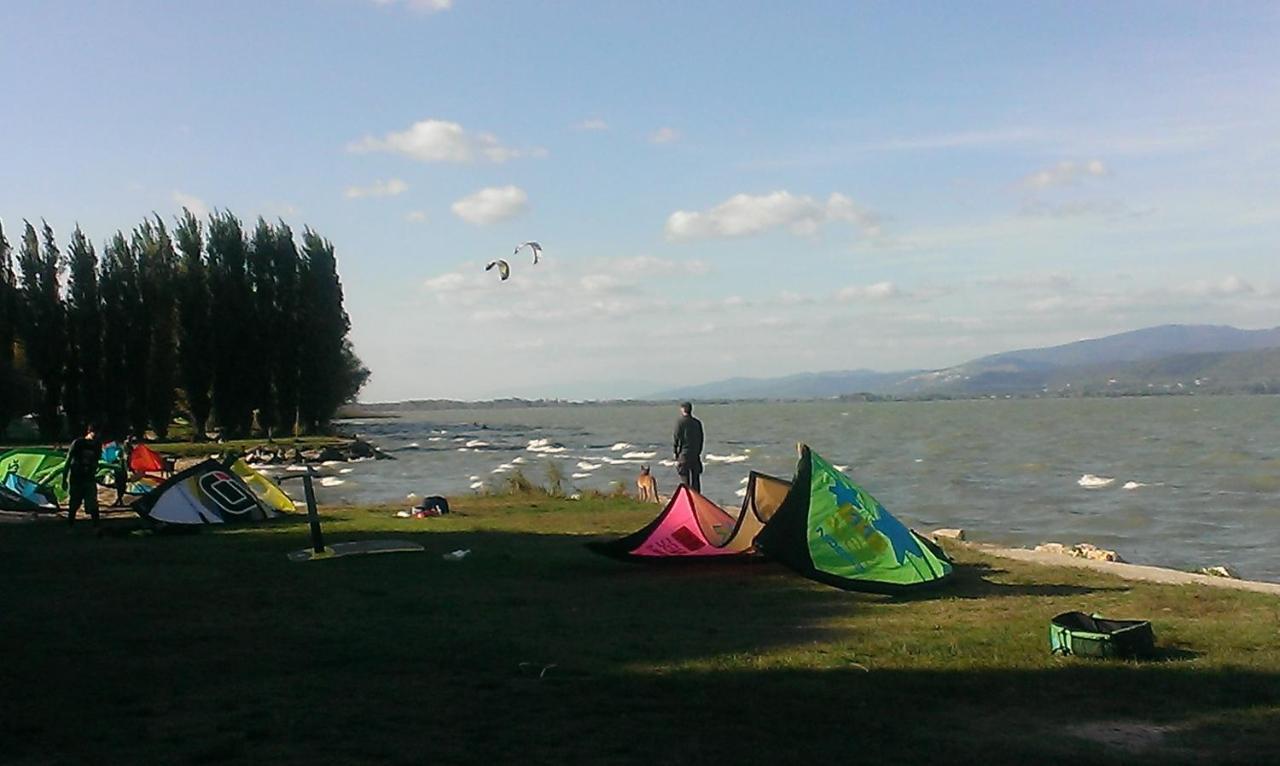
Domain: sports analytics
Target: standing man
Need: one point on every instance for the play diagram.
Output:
(688, 448)
(78, 475)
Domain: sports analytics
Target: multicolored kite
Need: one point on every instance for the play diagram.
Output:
(833, 531)
(42, 466)
(206, 493)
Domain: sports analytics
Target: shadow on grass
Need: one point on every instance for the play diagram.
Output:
(215, 648)
(974, 581)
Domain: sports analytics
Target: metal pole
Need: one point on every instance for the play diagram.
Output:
(317, 539)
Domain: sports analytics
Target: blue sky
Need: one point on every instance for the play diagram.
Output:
(721, 188)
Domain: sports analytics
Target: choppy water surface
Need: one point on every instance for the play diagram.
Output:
(1194, 481)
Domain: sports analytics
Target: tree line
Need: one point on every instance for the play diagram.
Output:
(242, 330)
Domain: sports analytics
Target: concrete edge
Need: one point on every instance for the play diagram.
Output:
(1125, 571)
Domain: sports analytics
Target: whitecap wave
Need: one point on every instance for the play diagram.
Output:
(840, 468)
(331, 481)
(1089, 481)
(620, 446)
(435, 438)
(477, 484)
(735, 458)
(545, 446)
(1133, 485)
(742, 492)
(473, 478)
(581, 475)
(668, 463)
(584, 465)
(518, 460)
(345, 470)
(477, 443)
(642, 455)
(743, 480)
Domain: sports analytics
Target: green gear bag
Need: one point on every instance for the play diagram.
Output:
(1080, 634)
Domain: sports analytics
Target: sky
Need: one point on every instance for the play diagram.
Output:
(720, 188)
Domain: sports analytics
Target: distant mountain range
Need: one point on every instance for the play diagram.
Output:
(1164, 359)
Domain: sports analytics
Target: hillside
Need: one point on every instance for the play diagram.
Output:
(1154, 359)
(1250, 372)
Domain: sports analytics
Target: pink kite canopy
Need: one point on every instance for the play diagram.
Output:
(693, 526)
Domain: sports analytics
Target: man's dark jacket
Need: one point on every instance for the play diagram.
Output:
(688, 440)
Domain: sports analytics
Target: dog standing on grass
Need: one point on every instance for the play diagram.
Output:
(647, 486)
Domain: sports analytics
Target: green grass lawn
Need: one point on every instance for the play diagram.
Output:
(213, 648)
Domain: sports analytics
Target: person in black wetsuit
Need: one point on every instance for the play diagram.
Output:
(688, 448)
(78, 475)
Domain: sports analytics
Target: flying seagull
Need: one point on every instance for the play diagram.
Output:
(534, 247)
(503, 268)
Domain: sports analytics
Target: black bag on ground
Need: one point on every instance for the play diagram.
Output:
(1095, 636)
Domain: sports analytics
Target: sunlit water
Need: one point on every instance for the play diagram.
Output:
(1203, 473)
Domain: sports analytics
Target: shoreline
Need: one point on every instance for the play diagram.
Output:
(1123, 570)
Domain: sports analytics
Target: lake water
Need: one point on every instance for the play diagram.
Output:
(1195, 480)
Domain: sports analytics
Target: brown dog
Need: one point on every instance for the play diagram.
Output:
(647, 486)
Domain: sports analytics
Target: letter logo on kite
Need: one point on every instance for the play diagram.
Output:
(227, 492)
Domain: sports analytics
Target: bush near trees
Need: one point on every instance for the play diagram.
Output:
(242, 331)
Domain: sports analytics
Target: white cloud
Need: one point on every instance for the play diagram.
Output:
(664, 135)
(442, 141)
(619, 286)
(1230, 286)
(649, 266)
(878, 291)
(744, 215)
(1065, 173)
(1053, 281)
(491, 205)
(421, 6)
(416, 216)
(600, 283)
(445, 283)
(193, 203)
(592, 123)
(1107, 210)
(1183, 299)
(389, 188)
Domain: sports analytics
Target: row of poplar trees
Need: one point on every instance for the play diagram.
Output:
(240, 330)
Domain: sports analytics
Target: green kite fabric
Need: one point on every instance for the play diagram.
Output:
(833, 531)
(43, 466)
(40, 465)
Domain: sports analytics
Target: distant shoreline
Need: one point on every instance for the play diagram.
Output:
(391, 410)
